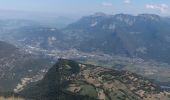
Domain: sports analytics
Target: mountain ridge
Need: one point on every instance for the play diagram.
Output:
(89, 82)
(144, 36)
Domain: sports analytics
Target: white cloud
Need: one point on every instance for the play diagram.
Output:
(107, 4)
(127, 1)
(163, 8)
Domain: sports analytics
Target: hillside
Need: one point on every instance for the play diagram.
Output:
(6, 49)
(71, 80)
(145, 36)
(18, 68)
(29, 33)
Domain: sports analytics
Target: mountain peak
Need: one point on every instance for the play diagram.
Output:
(99, 14)
(122, 14)
(150, 16)
(88, 82)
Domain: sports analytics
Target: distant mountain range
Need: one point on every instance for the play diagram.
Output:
(139, 44)
(144, 36)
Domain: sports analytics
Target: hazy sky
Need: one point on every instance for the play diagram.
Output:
(86, 7)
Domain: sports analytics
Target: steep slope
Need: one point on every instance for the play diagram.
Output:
(17, 66)
(145, 36)
(50, 87)
(6, 49)
(70, 80)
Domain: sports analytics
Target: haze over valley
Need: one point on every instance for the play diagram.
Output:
(59, 54)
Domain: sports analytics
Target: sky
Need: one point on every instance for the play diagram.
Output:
(85, 7)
